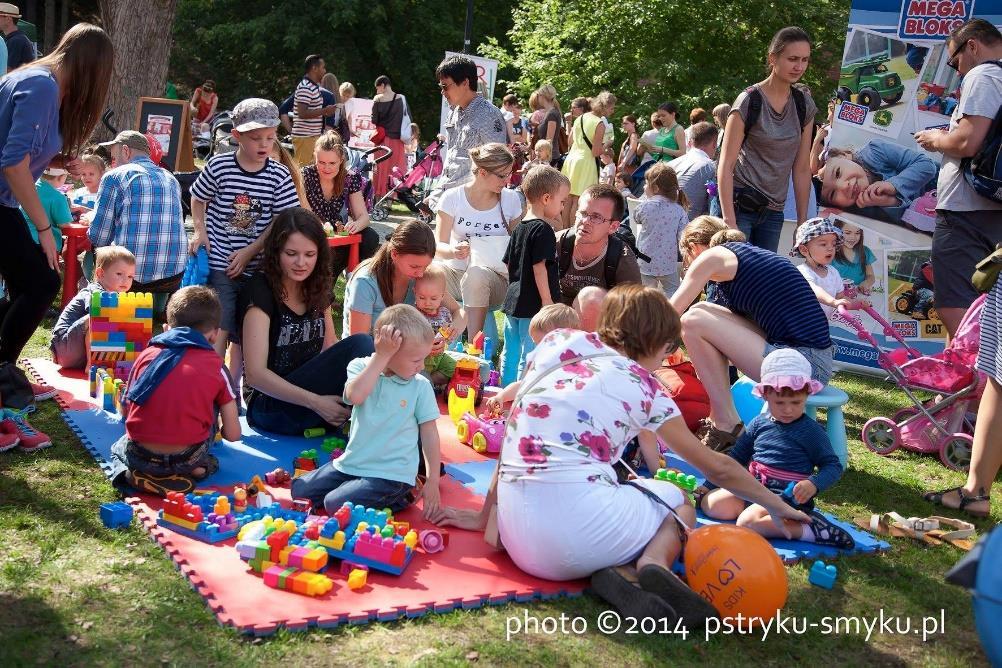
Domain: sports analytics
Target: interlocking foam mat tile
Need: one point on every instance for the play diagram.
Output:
(467, 574)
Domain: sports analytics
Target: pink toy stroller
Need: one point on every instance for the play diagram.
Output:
(409, 188)
(936, 425)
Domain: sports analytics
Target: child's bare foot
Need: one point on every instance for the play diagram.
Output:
(198, 472)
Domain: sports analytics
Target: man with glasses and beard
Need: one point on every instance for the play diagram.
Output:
(473, 121)
(967, 225)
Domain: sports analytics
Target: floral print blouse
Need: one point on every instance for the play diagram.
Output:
(574, 423)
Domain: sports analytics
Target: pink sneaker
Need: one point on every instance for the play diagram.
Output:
(30, 438)
(9, 436)
(43, 392)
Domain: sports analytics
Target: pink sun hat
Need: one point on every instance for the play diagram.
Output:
(786, 368)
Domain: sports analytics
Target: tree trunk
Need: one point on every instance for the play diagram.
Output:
(48, 37)
(142, 42)
(64, 17)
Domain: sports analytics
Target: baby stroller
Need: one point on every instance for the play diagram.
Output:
(939, 425)
(410, 188)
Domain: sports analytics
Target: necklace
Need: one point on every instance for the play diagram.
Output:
(589, 263)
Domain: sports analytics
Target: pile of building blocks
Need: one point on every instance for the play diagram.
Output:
(266, 546)
(121, 326)
(334, 445)
(365, 536)
(306, 461)
(212, 518)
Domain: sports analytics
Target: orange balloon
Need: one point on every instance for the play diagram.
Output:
(736, 570)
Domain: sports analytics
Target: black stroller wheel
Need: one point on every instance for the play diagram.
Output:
(379, 213)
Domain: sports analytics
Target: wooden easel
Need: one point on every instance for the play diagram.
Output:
(184, 160)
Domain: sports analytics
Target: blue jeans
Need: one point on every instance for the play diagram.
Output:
(762, 229)
(325, 374)
(332, 488)
(517, 344)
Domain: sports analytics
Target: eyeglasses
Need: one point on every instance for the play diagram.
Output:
(445, 86)
(952, 62)
(503, 177)
(593, 218)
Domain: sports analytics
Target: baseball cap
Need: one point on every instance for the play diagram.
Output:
(8, 9)
(132, 139)
(786, 368)
(812, 229)
(254, 113)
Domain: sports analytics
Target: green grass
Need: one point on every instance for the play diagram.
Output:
(75, 593)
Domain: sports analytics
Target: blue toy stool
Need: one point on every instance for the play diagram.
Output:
(830, 398)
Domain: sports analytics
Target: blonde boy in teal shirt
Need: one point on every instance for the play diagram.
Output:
(55, 204)
(393, 407)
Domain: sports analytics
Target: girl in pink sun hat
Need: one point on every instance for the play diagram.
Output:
(783, 447)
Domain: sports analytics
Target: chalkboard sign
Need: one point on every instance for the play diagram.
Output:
(167, 120)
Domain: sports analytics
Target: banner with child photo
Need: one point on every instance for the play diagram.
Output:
(872, 177)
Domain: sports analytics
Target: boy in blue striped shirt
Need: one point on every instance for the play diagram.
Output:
(233, 202)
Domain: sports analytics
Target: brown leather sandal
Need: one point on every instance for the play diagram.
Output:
(718, 439)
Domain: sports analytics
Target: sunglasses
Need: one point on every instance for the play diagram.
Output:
(445, 86)
(952, 62)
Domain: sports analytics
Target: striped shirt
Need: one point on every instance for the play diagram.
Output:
(139, 207)
(768, 290)
(308, 94)
(241, 204)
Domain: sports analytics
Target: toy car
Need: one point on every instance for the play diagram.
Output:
(871, 82)
(483, 434)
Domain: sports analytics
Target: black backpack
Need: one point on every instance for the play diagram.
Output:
(984, 171)
(756, 100)
(613, 255)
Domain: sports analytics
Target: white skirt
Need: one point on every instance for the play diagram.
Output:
(565, 531)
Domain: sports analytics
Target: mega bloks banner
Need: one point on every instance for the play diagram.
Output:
(873, 178)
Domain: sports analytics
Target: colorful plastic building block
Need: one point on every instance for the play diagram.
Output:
(483, 434)
(196, 271)
(121, 325)
(357, 579)
(433, 540)
(823, 575)
(196, 516)
(332, 443)
(278, 477)
(787, 496)
(348, 566)
(314, 432)
(116, 515)
(366, 536)
(305, 462)
(302, 505)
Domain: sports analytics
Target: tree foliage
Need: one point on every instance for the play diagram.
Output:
(257, 49)
(693, 53)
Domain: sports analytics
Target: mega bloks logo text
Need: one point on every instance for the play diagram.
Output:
(933, 19)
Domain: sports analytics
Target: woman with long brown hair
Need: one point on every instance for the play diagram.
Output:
(389, 277)
(47, 107)
(295, 367)
(336, 195)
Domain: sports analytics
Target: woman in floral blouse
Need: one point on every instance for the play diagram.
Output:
(561, 513)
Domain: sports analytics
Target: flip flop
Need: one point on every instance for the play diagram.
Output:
(690, 606)
(619, 587)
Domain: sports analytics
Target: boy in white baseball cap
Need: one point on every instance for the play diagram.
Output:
(782, 447)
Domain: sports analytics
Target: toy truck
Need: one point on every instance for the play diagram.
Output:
(483, 434)
(871, 82)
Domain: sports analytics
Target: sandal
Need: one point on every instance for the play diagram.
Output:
(927, 530)
(692, 608)
(619, 587)
(965, 500)
(827, 532)
(961, 536)
(718, 439)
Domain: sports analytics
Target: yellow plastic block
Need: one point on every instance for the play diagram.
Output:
(181, 522)
(357, 579)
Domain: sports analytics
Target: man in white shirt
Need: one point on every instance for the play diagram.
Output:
(968, 226)
(697, 167)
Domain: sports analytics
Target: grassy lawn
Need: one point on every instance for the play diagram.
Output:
(75, 593)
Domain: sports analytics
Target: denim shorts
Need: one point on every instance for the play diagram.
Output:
(135, 457)
(227, 289)
(820, 359)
